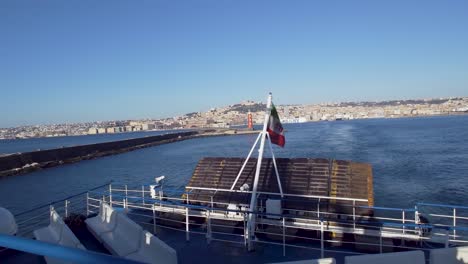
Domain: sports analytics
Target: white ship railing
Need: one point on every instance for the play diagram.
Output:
(37, 217)
(447, 225)
(452, 214)
(395, 223)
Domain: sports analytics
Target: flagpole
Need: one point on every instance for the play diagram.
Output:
(276, 167)
(245, 162)
(253, 199)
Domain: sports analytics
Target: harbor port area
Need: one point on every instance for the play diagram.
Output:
(325, 209)
(19, 163)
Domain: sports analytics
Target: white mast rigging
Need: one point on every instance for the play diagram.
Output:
(253, 200)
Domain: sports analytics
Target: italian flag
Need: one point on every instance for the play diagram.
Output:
(275, 129)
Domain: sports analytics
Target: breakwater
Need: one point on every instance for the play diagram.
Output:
(20, 163)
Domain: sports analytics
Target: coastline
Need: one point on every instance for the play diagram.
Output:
(21, 163)
(198, 129)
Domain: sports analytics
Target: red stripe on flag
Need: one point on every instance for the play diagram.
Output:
(277, 139)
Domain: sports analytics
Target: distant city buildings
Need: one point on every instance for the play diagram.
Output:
(236, 115)
(93, 131)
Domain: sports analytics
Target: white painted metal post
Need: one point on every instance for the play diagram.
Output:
(208, 227)
(284, 239)
(403, 220)
(416, 220)
(187, 235)
(143, 194)
(211, 198)
(253, 199)
(154, 220)
(66, 208)
(126, 191)
(274, 165)
(87, 204)
(380, 241)
(447, 238)
(454, 222)
(245, 162)
(322, 249)
(318, 211)
(245, 232)
(110, 193)
(161, 195)
(354, 214)
(403, 216)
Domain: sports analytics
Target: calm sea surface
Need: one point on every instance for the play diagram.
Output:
(414, 160)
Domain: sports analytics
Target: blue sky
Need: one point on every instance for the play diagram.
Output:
(73, 61)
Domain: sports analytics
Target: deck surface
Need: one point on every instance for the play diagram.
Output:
(298, 176)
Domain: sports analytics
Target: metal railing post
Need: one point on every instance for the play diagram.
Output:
(154, 220)
(416, 220)
(126, 191)
(143, 194)
(354, 214)
(187, 230)
(447, 238)
(66, 208)
(87, 204)
(322, 249)
(380, 241)
(284, 239)
(454, 222)
(245, 233)
(110, 193)
(260, 209)
(161, 195)
(403, 216)
(211, 198)
(187, 235)
(318, 211)
(208, 227)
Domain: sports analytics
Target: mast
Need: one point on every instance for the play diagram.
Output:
(253, 199)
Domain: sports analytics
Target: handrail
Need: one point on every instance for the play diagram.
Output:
(200, 207)
(397, 227)
(56, 251)
(387, 227)
(61, 200)
(285, 194)
(445, 227)
(138, 199)
(386, 208)
(135, 198)
(443, 205)
(388, 224)
(342, 221)
(358, 222)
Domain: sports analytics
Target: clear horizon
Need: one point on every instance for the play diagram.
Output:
(74, 62)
